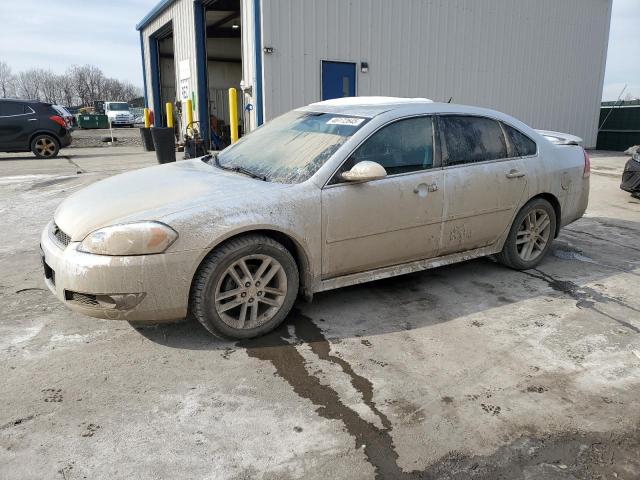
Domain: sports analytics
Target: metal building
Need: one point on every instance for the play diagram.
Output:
(541, 61)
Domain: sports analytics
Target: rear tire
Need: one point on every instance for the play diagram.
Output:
(45, 146)
(530, 236)
(245, 288)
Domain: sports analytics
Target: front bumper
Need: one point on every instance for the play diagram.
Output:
(122, 121)
(145, 288)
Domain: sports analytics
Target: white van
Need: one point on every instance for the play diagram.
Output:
(119, 114)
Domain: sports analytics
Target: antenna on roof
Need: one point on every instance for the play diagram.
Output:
(450, 100)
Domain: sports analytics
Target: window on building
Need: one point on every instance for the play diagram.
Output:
(472, 139)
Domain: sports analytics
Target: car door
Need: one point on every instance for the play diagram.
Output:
(388, 221)
(484, 182)
(17, 120)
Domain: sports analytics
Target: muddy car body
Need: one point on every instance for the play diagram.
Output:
(215, 230)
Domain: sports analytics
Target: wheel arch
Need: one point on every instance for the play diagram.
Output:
(555, 203)
(45, 132)
(288, 241)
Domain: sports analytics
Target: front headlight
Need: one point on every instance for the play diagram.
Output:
(143, 238)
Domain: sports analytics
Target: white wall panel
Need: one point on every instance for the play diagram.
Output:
(541, 61)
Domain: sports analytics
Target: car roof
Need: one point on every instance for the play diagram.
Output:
(369, 107)
(21, 100)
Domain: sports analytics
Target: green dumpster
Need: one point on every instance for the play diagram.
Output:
(87, 120)
(103, 121)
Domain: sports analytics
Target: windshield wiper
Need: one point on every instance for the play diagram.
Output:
(242, 170)
(249, 173)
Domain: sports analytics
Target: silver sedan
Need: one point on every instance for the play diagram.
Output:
(333, 194)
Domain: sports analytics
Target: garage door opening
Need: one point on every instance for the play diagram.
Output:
(163, 82)
(224, 67)
(167, 69)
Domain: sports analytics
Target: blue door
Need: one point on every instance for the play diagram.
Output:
(338, 80)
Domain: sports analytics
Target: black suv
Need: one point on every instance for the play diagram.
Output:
(32, 126)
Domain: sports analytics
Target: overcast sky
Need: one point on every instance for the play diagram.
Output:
(57, 33)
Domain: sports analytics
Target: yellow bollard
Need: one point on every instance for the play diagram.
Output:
(188, 105)
(233, 114)
(169, 108)
(147, 123)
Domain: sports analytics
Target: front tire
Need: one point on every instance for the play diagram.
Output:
(45, 146)
(530, 236)
(245, 288)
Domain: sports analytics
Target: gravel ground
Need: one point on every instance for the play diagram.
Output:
(470, 371)
(126, 137)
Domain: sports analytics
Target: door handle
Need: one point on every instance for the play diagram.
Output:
(422, 188)
(32, 120)
(515, 174)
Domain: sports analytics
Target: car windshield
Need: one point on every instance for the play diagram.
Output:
(292, 147)
(119, 107)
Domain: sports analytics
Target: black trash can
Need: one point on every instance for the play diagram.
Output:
(147, 141)
(164, 142)
(194, 148)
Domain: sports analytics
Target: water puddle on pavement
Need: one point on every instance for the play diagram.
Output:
(279, 348)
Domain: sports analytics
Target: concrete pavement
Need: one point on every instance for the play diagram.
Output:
(466, 371)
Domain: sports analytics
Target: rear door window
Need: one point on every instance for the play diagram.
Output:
(9, 109)
(472, 139)
(523, 145)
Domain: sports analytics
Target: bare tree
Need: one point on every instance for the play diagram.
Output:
(80, 84)
(7, 81)
(67, 93)
(48, 85)
(27, 85)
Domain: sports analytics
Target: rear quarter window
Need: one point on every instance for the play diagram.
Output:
(523, 145)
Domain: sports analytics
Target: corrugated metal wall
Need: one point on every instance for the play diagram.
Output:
(541, 61)
(182, 15)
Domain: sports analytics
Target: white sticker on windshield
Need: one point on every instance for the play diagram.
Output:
(351, 121)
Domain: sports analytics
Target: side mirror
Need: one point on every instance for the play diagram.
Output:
(365, 172)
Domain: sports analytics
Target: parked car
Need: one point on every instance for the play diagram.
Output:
(64, 113)
(32, 126)
(334, 194)
(631, 176)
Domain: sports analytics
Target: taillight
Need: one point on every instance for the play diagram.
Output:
(58, 119)
(587, 165)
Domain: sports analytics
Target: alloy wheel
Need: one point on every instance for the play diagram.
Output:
(251, 291)
(533, 235)
(45, 147)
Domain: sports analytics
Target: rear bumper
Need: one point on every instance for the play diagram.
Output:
(146, 288)
(66, 140)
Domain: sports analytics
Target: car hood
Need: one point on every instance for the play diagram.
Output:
(155, 192)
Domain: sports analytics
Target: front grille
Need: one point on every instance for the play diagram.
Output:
(62, 238)
(81, 298)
